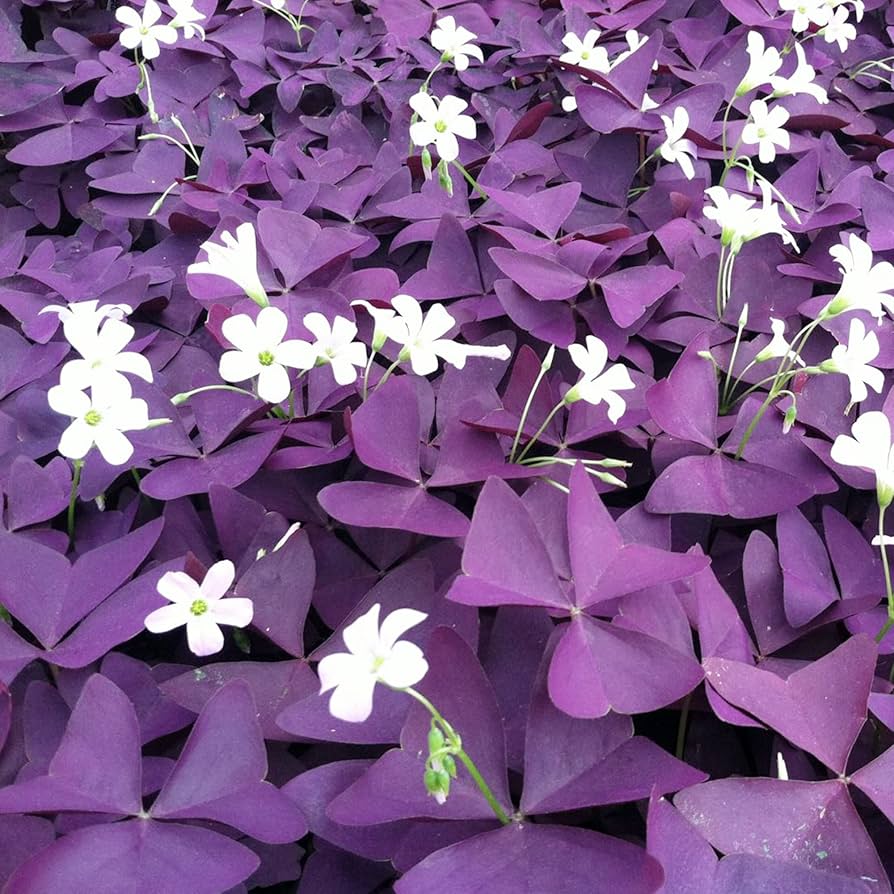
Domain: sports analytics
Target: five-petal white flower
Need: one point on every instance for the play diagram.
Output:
(853, 361)
(187, 17)
(807, 13)
(236, 259)
(766, 129)
(422, 341)
(455, 43)
(82, 315)
(675, 148)
(201, 607)
(375, 655)
(801, 80)
(102, 353)
(870, 448)
(261, 351)
(143, 31)
(730, 211)
(99, 419)
(585, 53)
(335, 345)
(764, 62)
(441, 123)
(598, 383)
(839, 30)
(865, 285)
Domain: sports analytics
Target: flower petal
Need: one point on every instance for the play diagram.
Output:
(339, 668)
(273, 383)
(353, 700)
(236, 611)
(218, 580)
(271, 326)
(168, 617)
(362, 636)
(405, 666)
(237, 366)
(178, 586)
(116, 450)
(397, 623)
(203, 636)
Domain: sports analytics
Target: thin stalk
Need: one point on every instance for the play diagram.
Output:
(72, 500)
(184, 396)
(728, 284)
(145, 82)
(525, 411)
(470, 179)
(732, 363)
(460, 752)
(367, 370)
(726, 112)
(718, 288)
(889, 623)
(541, 430)
(387, 373)
(681, 727)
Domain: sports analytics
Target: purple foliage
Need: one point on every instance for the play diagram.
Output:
(639, 554)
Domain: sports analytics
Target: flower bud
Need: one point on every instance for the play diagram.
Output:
(437, 784)
(444, 178)
(548, 359)
(791, 414)
(426, 163)
(435, 739)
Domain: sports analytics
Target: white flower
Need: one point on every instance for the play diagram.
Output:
(635, 41)
(778, 345)
(201, 607)
(375, 655)
(853, 362)
(864, 286)
(585, 53)
(807, 13)
(569, 103)
(79, 313)
(381, 316)
(261, 351)
(869, 448)
(766, 129)
(186, 16)
(335, 345)
(421, 337)
(102, 353)
(143, 31)
(730, 211)
(799, 81)
(839, 30)
(766, 220)
(675, 148)
(455, 44)
(236, 260)
(598, 383)
(99, 420)
(764, 63)
(441, 123)
(859, 6)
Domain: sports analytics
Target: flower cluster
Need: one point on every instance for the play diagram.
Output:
(145, 31)
(99, 418)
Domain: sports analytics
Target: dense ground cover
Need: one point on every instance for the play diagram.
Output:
(446, 447)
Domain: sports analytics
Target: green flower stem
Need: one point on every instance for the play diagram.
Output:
(718, 289)
(726, 112)
(387, 373)
(470, 179)
(527, 409)
(72, 500)
(889, 622)
(367, 370)
(681, 727)
(145, 82)
(732, 362)
(184, 396)
(456, 748)
(540, 430)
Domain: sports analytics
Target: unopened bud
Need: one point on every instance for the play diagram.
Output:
(706, 355)
(435, 739)
(791, 415)
(426, 163)
(743, 317)
(608, 478)
(548, 359)
(444, 178)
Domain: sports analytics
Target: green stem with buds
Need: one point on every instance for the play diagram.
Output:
(145, 82)
(455, 747)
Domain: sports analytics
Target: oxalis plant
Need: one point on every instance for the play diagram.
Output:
(446, 449)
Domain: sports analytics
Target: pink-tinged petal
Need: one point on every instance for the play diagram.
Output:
(203, 636)
(237, 611)
(218, 580)
(398, 623)
(116, 450)
(405, 666)
(362, 636)
(339, 668)
(273, 384)
(76, 440)
(271, 326)
(353, 701)
(178, 586)
(238, 366)
(168, 617)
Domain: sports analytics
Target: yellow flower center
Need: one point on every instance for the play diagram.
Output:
(92, 417)
(198, 607)
(265, 358)
(440, 126)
